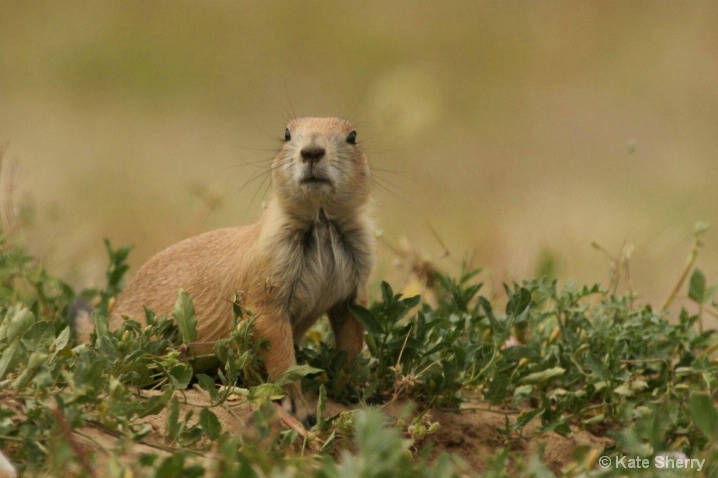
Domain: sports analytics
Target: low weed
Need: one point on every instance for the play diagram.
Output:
(553, 359)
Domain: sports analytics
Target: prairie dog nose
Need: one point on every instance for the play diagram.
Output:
(312, 153)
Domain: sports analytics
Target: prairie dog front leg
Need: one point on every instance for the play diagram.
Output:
(348, 331)
(278, 356)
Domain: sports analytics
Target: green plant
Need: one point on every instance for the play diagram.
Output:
(571, 356)
(553, 359)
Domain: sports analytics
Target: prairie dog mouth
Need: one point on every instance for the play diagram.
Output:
(315, 180)
(315, 175)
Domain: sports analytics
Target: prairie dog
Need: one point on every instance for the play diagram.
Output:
(310, 254)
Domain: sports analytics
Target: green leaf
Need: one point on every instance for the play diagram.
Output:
(411, 302)
(207, 384)
(210, 423)
(265, 392)
(101, 325)
(321, 407)
(367, 319)
(174, 467)
(526, 417)
(387, 294)
(488, 310)
(7, 358)
(294, 373)
(180, 375)
(237, 309)
(371, 345)
(36, 360)
(62, 340)
(704, 414)
(497, 388)
(39, 334)
(172, 423)
(522, 392)
(115, 272)
(329, 443)
(624, 390)
(518, 302)
(543, 376)
(245, 468)
(697, 286)
(596, 365)
(184, 315)
(20, 322)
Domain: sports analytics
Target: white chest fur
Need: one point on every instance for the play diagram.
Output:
(316, 262)
(324, 274)
(329, 274)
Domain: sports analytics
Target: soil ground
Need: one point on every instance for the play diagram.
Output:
(473, 433)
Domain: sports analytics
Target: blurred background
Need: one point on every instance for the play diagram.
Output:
(509, 134)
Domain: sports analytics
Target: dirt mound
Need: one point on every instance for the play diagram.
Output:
(476, 433)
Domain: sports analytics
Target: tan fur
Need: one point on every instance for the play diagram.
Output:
(310, 254)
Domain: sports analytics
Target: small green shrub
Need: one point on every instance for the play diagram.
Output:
(568, 357)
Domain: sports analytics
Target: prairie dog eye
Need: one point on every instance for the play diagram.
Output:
(352, 137)
(287, 135)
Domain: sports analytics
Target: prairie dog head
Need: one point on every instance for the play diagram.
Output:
(321, 165)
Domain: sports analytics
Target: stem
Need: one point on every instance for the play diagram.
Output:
(74, 445)
(700, 229)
